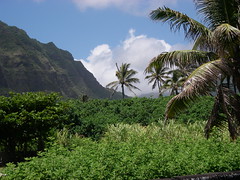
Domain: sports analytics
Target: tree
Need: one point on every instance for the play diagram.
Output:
(175, 82)
(125, 78)
(158, 75)
(28, 119)
(216, 54)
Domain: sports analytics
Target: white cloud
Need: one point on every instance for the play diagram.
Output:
(136, 50)
(101, 64)
(137, 7)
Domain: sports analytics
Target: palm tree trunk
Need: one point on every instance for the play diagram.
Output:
(176, 91)
(236, 74)
(231, 128)
(123, 94)
(159, 90)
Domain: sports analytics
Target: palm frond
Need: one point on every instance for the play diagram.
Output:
(157, 68)
(132, 80)
(131, 87)
(200, 82)
(177, 20)
(130, 73)
(113, 84)
(150, 78)
(225, 38)
(204, 43)
(154, 83)
(194, 57)
(216, 12)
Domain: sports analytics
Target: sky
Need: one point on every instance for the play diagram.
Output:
(101, 33)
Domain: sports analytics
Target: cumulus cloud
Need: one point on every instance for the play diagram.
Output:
(137, 50)
(137, 7)
(101, 64)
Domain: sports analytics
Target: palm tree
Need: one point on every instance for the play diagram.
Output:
(158, 75)
(216, 54)
(175, 82)
(125, 78)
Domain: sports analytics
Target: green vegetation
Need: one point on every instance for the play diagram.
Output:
(214, 56)
(28, 65)
(158, 74)
(132, 152)
(118, 139)
(127, 139)
(28, 119)
(125, 78)
(91, 118)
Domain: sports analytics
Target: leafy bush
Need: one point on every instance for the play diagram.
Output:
(28, 119)
(133, 152)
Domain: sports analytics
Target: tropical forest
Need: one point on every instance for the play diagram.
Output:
(87, 131)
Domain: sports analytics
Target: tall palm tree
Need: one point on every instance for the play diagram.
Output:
(216, 54)
(125, 78)
(158, 75)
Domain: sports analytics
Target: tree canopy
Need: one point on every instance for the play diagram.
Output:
(125, 78)
(216, 55)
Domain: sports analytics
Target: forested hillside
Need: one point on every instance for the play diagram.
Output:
(29, 65)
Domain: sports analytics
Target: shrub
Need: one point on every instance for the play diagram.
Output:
(28, 119)
(133, 152)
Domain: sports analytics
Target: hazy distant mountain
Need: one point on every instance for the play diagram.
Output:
(154, 94)
(28, 65)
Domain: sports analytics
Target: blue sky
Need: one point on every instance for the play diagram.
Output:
(100, 33)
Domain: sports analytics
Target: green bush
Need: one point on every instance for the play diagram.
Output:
(133, 152)
(28, 119)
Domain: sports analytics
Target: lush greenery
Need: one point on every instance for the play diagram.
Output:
(28, 119)
(215, 59)
(91, 118)
(132, 152)
(112, 139)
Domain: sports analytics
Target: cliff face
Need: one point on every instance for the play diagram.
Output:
(28, 65)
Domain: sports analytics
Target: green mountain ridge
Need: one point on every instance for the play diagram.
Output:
(27, 65)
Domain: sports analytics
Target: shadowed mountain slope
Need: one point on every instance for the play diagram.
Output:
(28, 65)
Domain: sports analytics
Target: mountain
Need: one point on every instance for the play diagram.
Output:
(27, 65)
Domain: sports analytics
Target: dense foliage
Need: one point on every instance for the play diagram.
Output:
(27, 120)
(132, 152)
(111, 139)
(91, 118)
(212, 64)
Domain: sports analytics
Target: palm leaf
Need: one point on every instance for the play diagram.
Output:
(132, 80)
(225, 38)
(112, 84)
(131, 87)
(177, 20)
(204, 43)
(130, 73)
(193, 57)
(200, 82)
(216, 12)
